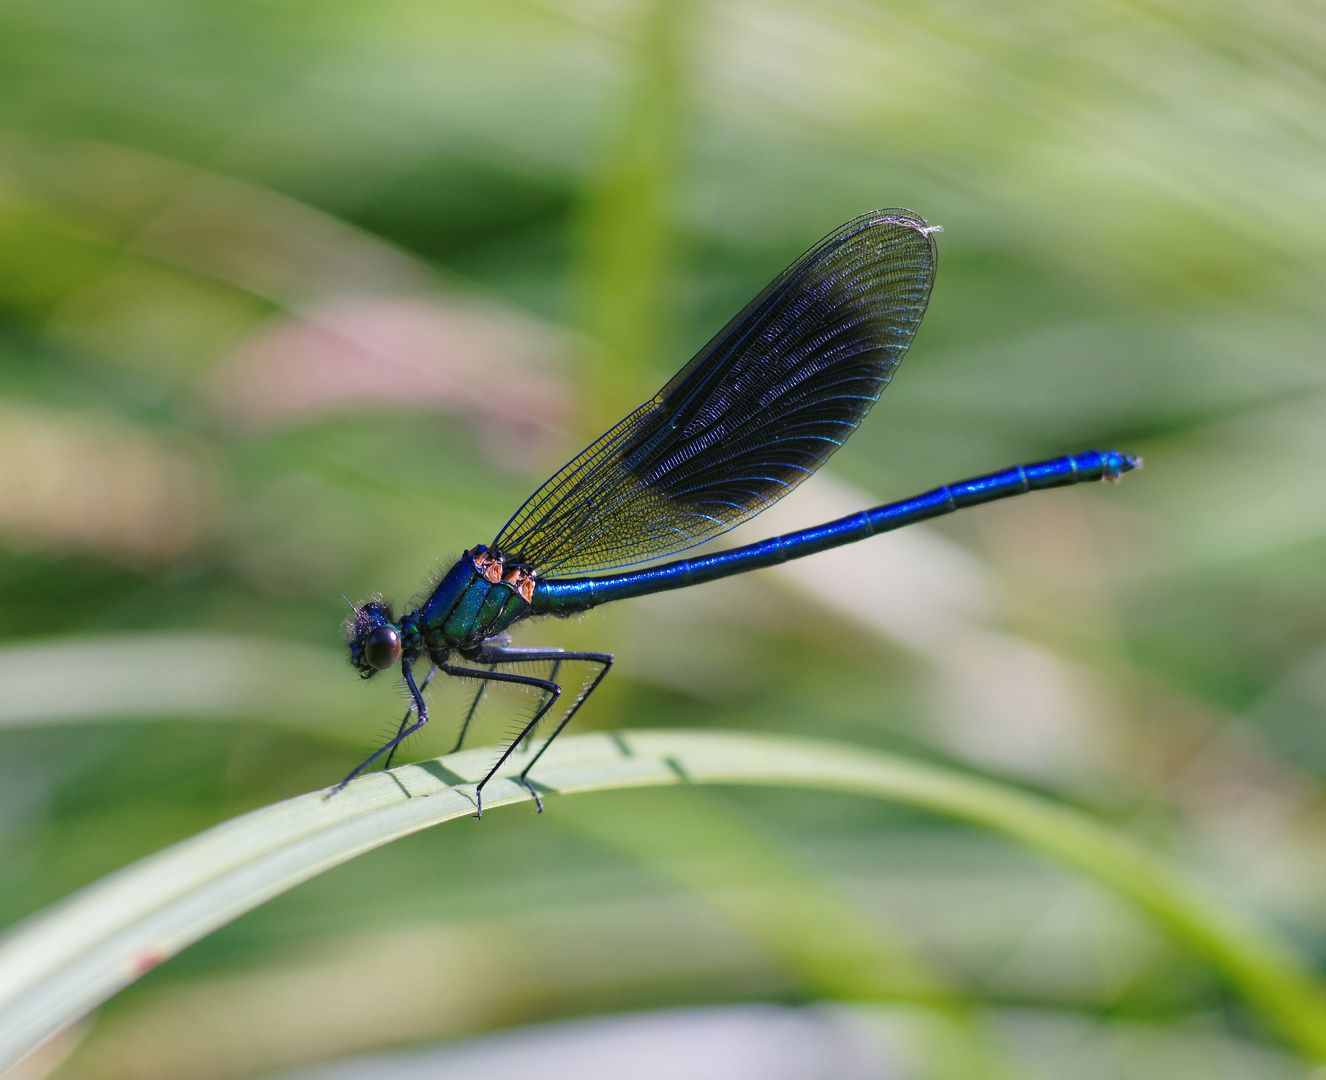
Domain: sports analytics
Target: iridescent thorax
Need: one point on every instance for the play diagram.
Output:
(479, 597)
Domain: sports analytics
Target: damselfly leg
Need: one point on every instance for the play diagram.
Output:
(469, 714)
(552, 677)
(551, 691)
(403, 732)
(395, 742)
(496, 655)
(499, 654)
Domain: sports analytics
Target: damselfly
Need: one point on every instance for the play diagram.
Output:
(759, 409)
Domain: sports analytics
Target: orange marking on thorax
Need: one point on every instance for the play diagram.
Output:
(485, 564)
(493, 568)
(522, 581)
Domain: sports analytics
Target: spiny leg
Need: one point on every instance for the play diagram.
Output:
(403, 733)
(503, 654)
(406, 719)
(552, 677)
(465, 724)
(551, 689)
(605, 660)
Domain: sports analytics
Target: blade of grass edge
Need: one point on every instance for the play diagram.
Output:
(63, 962)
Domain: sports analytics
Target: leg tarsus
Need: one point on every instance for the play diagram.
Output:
(525, 783)
(500, 653)
(402, 733)
(551, 689)
(605, 659)
(554, 692)
(401, 737)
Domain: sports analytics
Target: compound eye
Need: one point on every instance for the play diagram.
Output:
(382, 648)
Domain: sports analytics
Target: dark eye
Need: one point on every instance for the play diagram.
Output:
(382, 647)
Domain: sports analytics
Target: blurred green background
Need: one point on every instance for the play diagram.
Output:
(298, 300)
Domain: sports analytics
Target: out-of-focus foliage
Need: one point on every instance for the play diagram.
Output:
(298, 300)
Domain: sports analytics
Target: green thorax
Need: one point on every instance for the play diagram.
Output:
(479, 597)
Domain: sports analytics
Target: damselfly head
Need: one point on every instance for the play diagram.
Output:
(373, 637)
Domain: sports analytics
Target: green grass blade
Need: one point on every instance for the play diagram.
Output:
(65, 961)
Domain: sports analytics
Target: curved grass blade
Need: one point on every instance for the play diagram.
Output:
(65, 961)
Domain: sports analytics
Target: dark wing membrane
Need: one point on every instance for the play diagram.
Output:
(759, 409)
